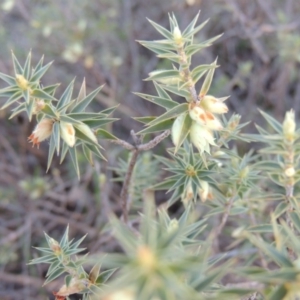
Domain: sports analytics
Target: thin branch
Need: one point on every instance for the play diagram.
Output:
(136, 149)
(154, 142)
(224, 218)
(126, 184)
(122, 143)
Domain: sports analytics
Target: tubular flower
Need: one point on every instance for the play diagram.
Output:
(67, 132)
(201, 137)
(204, 118)
(41, 132)
(188, 194)
(205, 191)
(214, 105)
(75, 286)
(289, 126)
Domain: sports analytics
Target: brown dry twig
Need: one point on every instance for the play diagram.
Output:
(136, 149)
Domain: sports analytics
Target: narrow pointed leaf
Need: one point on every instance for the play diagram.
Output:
(64, 152)
(82, 92)
(51, 151)
(66, 96)
(27, 65)
(274, 123)
(65, 238)
(208, 80)
(74, 159)
(54, 275)
(86, 101)
(166, 33)
(83, 116)
(48, 110)
(145, 120)
(103, 134)
(8, 79)
(66, 118)
(162, 74)
(37, 75)
(50, 89)
(191, 26)
(164, 102)
(109, 110)
(173, 89)
(15, 97)
(98, 123)
(164, 125)
(172, 113)
(195, 30)
(42, 94)
(17, 67)
(56, 133)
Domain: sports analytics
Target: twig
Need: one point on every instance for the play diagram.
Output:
(126, 184)
(124, 144)
(224, 218)
(154, 142)
(136, 149)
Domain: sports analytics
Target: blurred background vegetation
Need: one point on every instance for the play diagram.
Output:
(259, 55)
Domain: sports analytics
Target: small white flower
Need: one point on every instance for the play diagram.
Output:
(67, 132)
(290, 172)
(204, 190)
(177, 35)
(289, 125)
(21, 82)
(204, 118)
(188, 194)
(201, 137)
(213, 105)
(41, 132)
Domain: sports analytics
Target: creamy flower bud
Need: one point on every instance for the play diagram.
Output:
(197, 114)
(201, 137)
(290, 172)
(177, 35)
(76, 286)
(289, 125)
(67, 133)
(22, 82)
(188, 194)
(176, 129)
(55, 247)
(214, 124)
(87, 131)
(204, 118)
(41, 132)
(204, 190)
(146, 258)
(213, 105)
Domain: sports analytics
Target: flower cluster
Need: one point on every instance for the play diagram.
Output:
(203, 122)
(44, 129)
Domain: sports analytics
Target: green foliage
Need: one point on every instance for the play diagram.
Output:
(159, 256)
(63, 120)
(60, 257)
